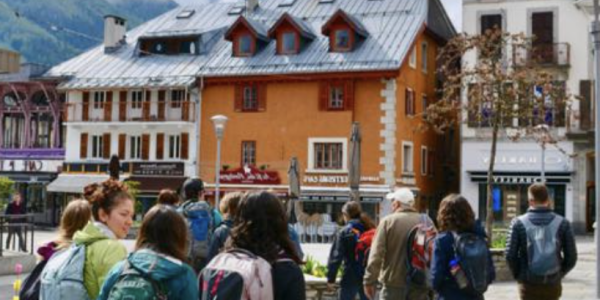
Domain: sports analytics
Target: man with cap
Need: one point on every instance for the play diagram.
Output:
(387, 260)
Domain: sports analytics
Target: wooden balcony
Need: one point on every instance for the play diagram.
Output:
(142, 111)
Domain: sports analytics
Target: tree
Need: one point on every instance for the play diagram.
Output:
(6, 190)
(496, 91)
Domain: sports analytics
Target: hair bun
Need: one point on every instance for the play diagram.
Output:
(97, 192)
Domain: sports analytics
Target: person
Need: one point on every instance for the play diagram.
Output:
(160, 253)
(228, 207)
(261, 228)
(15, 232)
(112, 210)
(75, 216)
(343, 251)
(168, 197)
(387, 261)
(202, 220)
(455, 216)
(526, 262)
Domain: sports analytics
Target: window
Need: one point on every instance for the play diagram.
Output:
(424, 161)
(342, 40)
(250, 100)
(328, 156)
(177, 97)
(245, 45)
(174, 146)
(412, 60)
(288, 43)
(186, 13)
(188, 47)
(135, 147)
(97, 146)
(425, 105)
(409, 105)
(424, 57)
(99, 98)
(336, 97)
(249, 153)
(158, 48)
(136, 99)
(407, 157)
(490, 22)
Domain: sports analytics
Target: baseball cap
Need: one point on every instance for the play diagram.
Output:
(403, 195)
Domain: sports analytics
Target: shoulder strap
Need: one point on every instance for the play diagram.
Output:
(128, 269)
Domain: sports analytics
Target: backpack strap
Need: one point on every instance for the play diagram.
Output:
(128, 269)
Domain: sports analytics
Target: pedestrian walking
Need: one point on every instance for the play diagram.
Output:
(168, 197)
(259, 251)
(351, 248)
(202, 220)
(228, 206)
(387, 260)
(75, 216)
(462, 265)
(15, 231)
(541, 248)
(156, 270)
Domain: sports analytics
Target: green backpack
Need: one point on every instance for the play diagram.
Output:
(132, 284)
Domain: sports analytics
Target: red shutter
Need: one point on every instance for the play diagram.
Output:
(262, 97)
(161, 105)
(85, 107)
(83, 146)
(349, 95)
(585, 104)
(185, 110)
(239, 97)
(106, 146)
(108, 107)
(146, 106)
(122, 142)
(145, 146)
(160, 145)
(184, 145)
(122, 106)
(323, 96)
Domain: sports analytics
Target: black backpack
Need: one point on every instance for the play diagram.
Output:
(473, 255)
(30, 290)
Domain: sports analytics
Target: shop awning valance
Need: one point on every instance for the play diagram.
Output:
(74, 183)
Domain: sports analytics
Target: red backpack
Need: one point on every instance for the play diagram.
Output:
(419, 252)
(364, 240)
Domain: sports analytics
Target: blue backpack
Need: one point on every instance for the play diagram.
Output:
(473, 254)
(201, 224)
(62, 278)
(543, 250)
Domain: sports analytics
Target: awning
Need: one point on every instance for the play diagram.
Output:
(74, 183)
(154, 184)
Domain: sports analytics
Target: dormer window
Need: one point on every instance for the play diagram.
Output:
(345, 32)
(342, 40)
(291, 34)
(172, 45)
(244, 45)
(288, 45)
(247, 36)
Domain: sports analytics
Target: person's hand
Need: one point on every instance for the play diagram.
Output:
(331, 287)
(370, 291)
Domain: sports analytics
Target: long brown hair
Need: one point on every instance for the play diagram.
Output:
(352, 210)
(455, 214)
(76, 215)
(163, 230)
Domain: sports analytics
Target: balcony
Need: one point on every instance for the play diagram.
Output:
(545, 55)
(146, 111)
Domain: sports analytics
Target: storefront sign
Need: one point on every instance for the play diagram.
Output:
(336, 179)
(407, 180)
(158, 169)
(327, 198)
(249, 175)
(516, 179)
(30, 166)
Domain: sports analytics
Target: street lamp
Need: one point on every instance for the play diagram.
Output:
(596, 39)
(219, 124)
(542, 132)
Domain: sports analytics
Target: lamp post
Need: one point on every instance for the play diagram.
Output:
(596, 39)
(219, 124)
(542, 133)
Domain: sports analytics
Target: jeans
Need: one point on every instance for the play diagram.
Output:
(15, 233)
(348, 292)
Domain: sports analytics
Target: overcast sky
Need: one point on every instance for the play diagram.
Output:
(454, 8)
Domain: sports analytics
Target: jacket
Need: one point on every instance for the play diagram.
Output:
(343, 251)
(288, 280)
(178, 277)
(13, 209)
(387, 260)
(516, 244)
(103, 251)
(217, 218)
(219, 238)
(441, 278)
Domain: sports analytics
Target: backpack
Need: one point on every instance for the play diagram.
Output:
(362, 249)
(236, 275)
(419, 252)
(473, 255)
(201, 222)
(543, 249)
(132, 284)
(62, 278)
(32, 284)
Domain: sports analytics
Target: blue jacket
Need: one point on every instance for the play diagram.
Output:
(219, 238)
(179, 278)
(342, 251)
(443, 282)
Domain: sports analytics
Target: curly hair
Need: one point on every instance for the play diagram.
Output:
(455, 214)
(106, 196)
(260, 226)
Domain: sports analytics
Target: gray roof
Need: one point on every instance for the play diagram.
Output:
(392, 26)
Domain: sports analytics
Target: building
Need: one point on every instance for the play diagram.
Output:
(291, 75)
(568, 57)
(31, 136)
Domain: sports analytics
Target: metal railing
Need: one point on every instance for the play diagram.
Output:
(142, 111)
(550, 55)
(19, 231)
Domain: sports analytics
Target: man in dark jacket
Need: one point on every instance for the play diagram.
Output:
(539, 214)
(16, 207)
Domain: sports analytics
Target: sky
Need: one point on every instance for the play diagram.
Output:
(453, 7)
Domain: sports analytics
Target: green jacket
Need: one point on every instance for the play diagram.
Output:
(102, 253)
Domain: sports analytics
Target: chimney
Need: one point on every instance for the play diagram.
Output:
(251, 5)
(114, 33)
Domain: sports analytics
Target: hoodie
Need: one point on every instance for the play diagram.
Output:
(102, 252)
(179, 278)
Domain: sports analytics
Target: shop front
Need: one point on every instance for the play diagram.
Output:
(154, 177)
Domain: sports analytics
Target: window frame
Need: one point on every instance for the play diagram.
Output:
(96, 147)
(424, 161)
(412, 59)
(135, 147)
(408, 168)
(409, 102)
(250, 104)
(283, 48)
(340, 103)
(135, 102)
(424, 104)
(99, 100)
(336, 46)
(312, 168)
(177, 102)
(424, 56)
(173, 146)
(240, 43)
(248, 153)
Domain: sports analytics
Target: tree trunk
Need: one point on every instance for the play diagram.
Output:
(489, 220)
